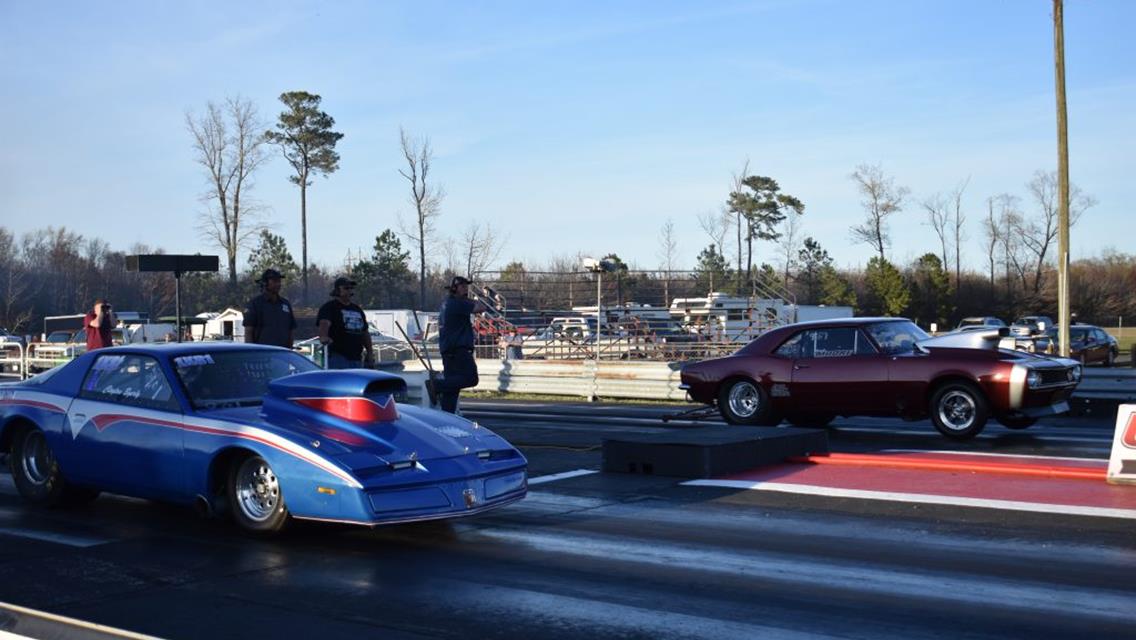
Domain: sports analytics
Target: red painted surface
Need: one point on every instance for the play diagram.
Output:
(959, 482)
(931, 461)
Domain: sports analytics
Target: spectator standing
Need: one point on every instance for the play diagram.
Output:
(455, 341)
(268, 317)
(343, 329)
(98, 322)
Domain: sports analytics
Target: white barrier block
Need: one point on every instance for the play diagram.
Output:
(1122, 462)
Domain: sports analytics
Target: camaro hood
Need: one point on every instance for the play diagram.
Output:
(967, 340)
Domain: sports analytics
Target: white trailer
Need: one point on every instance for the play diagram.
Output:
(383, 321)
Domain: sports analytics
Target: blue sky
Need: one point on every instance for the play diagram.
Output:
(570, 127)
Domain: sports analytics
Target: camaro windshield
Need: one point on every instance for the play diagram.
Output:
(897, 336)
(224, 379)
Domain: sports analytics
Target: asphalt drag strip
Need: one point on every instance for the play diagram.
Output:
(1067, 486)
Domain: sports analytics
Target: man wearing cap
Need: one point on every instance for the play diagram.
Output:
(98, 323)
(268, 317)
(343, 329)
(455, 341)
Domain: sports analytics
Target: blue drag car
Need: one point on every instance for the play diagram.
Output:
(259, 432)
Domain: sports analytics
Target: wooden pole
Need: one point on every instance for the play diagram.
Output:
(1063, 310)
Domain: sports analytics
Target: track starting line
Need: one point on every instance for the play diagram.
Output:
(1071, 486)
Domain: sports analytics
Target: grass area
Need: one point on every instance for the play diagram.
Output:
(1126, 337)
(545, 397)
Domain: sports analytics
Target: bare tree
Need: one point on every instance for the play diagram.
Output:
(425, 197)
(668, 248)
(789, 243)
(1010, 221)
(16, 305)
(716, 224)
(960, 219)
(993, 234)
(738, 185)
(228, 142)
(1039, 233)
(938, 216)
(882, 198)
(481, 246)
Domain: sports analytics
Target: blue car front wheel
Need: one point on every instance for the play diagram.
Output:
(255, 496)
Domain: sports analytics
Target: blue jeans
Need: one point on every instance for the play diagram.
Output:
(337, 361)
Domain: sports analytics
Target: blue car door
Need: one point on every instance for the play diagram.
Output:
(126, 427)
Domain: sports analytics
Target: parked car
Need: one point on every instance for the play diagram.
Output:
(259, 432)
(1089, 344)
(814, 371)
(1031, 325)
(6, 337)
(979, 321)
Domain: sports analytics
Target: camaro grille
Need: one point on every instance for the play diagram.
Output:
(1054, 376)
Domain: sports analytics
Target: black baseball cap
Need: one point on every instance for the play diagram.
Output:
(270, 274)
(343, 281)
(459, 280)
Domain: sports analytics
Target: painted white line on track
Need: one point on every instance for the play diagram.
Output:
(561, 476)
(57, 538)
(43, 616)
(889, 496)
(992, 455)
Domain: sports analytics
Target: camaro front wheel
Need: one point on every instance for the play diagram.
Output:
(257, 503)
(959, 410)
(745, 402)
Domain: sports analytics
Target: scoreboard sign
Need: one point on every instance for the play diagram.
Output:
(1122, 463)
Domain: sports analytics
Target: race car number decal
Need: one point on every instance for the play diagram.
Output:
(193, 361)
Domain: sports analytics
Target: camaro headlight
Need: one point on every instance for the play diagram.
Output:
(1033, 379)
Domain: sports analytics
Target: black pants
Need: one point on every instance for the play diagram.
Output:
(459, 372)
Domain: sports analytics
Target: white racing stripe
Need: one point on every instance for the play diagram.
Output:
(561, 476)
(831, 492)
(806, 572)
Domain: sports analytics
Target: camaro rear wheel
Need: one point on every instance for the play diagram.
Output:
(255, 496)
(35, 470)
(745, 402)
(1017, 422)
(959, 410)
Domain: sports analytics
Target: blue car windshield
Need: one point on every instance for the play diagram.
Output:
(897, 336)
(226, 379)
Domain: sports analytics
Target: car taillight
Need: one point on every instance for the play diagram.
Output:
(354, 409)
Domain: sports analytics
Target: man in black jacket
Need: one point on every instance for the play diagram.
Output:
(455, 341)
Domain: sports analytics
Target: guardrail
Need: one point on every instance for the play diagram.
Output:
(660, 380)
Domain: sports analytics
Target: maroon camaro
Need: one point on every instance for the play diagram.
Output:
(808, 373)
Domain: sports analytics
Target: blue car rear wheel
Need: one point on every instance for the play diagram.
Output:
(35, 472)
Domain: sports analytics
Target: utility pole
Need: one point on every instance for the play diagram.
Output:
(1063, 315)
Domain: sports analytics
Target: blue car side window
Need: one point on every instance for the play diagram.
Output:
(127, 379)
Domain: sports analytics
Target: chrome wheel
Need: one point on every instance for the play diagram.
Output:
(257, 490)
(36, 459)
(744, 400)
(957, 410)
